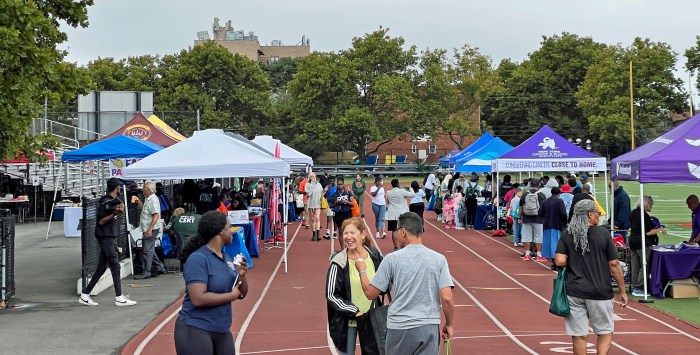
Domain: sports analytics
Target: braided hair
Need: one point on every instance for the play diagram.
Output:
(578, 227)
(211, 224)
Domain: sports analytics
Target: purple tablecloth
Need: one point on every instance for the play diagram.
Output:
(671, 265)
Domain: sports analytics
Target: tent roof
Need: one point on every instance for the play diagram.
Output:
(153, 130)
(112, 148)
(469, 151)
(481, 160)
(672, 157)
(248, 141)
(288, 154)
(445, 159)
(546, 150)
(208, 153)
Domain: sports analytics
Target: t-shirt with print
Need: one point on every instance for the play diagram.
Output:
(416, 275)
(186, 224)
(339, 195)
(150, 207)
(379, 199)
(588, 274)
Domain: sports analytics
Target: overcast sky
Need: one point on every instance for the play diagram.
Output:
(500, 28)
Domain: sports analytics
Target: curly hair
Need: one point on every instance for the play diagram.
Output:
(209, 227)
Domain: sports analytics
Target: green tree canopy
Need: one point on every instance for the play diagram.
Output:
(32, 67)
(604, 94)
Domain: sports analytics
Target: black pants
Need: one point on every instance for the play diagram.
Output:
(194, 341)
(471, 210)
(340, 217)
(108, 256)
(418, 208)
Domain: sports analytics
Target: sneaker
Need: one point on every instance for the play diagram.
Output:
(515, 244)
(142, 277)
(526, 258)
(122, 300)
(384, 236)
(539, 258)
(86, 300)
(377, 236)
(459, 228)
(362, 215)
(638, 292)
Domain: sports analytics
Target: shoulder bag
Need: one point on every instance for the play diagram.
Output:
(560, 303)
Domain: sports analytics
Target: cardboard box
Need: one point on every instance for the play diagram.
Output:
(686, 288)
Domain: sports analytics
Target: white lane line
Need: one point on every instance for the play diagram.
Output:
(246, 323)
(628, 304)
(285, 350)
(557, 334)
(494, 319)
(155, 331)
(508, 276)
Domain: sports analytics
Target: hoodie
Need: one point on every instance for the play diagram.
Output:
(547, 189)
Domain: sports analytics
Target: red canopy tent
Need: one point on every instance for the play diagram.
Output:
(151, 129)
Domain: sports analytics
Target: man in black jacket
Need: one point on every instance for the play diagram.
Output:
(107, 231)
(621, 209)
(585, 194)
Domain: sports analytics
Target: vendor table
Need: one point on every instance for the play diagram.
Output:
(72, 217)
(671, 265)
(16, 205)
(481, 212)
(251, 237)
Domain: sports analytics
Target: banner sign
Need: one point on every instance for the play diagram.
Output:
(116, 166)
(574, 164)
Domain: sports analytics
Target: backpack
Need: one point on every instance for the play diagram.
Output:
(531, 207)
(470, 190)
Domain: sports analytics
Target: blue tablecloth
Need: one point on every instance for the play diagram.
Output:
(238, 246)
(251, 239)
(481, 212)
(671, 265)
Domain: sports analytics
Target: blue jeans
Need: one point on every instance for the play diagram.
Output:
(516, 231)
(379, 213)
(352, 342)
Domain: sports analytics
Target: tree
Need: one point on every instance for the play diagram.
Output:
(359, 96)
(604, 94)
(231, 91)
(541, 90)
(280, 72)
(692, 64)
(32, 66)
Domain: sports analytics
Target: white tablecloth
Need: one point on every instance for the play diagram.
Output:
(71, 221)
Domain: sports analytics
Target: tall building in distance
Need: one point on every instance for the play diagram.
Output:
(247, 44)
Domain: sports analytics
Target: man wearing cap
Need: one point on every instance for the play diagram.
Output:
(567, 197)
(106, 231)
(584, 182)
(590, 258)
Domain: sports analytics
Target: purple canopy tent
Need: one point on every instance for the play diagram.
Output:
(546, 150)
(674, 157)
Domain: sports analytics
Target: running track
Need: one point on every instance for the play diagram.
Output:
(501, 303)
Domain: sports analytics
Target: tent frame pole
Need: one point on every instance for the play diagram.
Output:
(498, 190)
(285, 213)
(56, 179)
(642, 212)
(128, 231)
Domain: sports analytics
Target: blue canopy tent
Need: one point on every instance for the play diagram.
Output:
(120, 146)
(469, 151)
(480, 161)
(112, 148)
(445, 159)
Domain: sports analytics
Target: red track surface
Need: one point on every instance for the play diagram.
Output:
(502, 303)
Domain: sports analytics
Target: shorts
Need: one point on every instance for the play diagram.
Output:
(531, 232)
(598, 312)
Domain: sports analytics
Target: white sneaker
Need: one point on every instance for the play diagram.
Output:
(86, 300)
(377, 236)
(123, 301)
(459, 228)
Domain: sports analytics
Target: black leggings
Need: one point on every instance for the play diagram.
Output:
(418, 208)
(195, 341)
(108, 256)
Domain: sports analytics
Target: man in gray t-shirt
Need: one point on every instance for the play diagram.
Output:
(420, 282)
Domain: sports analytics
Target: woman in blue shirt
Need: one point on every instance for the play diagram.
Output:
(213, 281)
(417, 205)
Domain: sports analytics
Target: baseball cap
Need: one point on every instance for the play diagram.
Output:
(584, 177)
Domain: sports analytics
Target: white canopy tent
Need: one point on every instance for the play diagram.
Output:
(208, 154)
(290, 155)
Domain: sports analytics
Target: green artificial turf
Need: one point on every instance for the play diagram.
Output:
(686, 309)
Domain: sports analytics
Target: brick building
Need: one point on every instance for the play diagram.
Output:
(416, 149)
(237, 41)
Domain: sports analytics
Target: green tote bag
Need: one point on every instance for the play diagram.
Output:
(560, 303)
